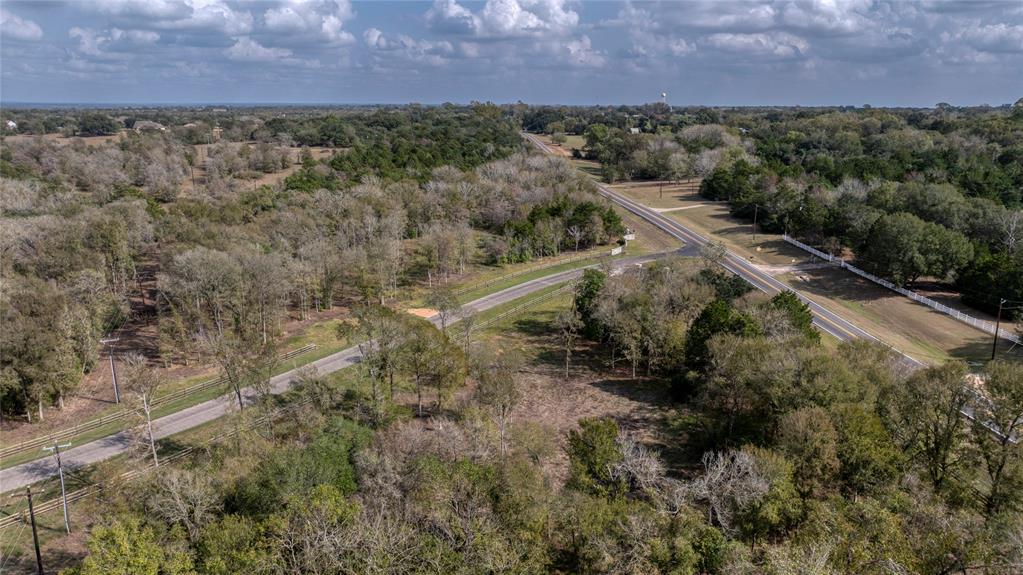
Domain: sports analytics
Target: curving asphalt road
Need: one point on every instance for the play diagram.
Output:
(28, 473)
(101, 449)
(823, 318)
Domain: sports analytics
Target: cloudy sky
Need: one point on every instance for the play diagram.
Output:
(852, 52)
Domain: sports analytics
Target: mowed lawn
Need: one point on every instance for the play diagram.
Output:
(910, 327)
(711, 219)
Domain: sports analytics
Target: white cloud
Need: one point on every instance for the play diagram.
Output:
(503, 19)
(181, 15)
(405, 48)
(581, 53)
(450, 16)
(159, 9)
(13, 26)
(828, 16)
(999, 37)
(111, 44)
(773, 44)
(246, 49)
(212, 14)
(324, 19)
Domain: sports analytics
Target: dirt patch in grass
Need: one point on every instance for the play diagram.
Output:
(423, 312)
(649, 238)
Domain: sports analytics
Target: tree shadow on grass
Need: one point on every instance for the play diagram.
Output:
(533, 327)
(977, 352)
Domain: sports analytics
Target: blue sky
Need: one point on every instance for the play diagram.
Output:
(787, 52)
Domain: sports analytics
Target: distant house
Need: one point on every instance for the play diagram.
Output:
(148, 126)
(12, 125)
(633, 130)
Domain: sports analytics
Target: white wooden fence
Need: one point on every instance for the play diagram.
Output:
(983, 325)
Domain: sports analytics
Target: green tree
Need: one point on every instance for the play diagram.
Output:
(928, 420)
(869, 459)
(430, 360)
(592, 451)
(586, 293)
(96, 124)
(893, 248)
(776, 510)
(127, 547)
(719, 317)
(797, 312)
(809, 439)
(233, 544)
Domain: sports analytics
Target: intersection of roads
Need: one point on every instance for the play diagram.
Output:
(101, 449)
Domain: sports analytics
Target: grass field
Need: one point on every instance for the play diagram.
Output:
(712, 219)
(908, 326)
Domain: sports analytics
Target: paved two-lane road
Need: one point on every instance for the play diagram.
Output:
(101, 449)
(823, 318)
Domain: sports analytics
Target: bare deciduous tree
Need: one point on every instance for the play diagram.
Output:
(729, 483)
(186, 497)
(497, 388)
(569, 323)
(143, 381)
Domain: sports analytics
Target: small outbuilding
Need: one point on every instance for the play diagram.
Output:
(148, 126)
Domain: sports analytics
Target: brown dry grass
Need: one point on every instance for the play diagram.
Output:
(591, 390)
(913, 328)
(558, 403)
(64, 140)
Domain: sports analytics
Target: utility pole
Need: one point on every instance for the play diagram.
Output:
(60, 471)
(35, 533)
(113, 369)
(998, 324)
(756, 210)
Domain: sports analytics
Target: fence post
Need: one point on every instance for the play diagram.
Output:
(937, 306)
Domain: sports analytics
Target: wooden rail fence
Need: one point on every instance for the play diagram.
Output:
(71, 432)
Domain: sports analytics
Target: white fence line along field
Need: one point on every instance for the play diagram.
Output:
(92, 424)
(982, 325)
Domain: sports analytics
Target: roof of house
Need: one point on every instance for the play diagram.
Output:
(148, 125)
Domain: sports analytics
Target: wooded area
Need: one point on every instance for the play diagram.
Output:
(909, 192)
(770, 449)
